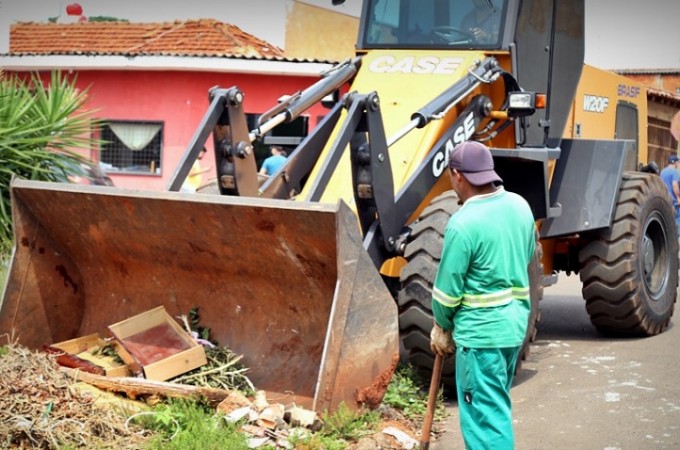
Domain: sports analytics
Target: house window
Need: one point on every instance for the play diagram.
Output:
(131, 146)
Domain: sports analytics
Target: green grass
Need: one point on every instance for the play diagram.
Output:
(349, 425)
(185, 425)
(188, 425)
(4, 269)
(408, 394)
(339, 429)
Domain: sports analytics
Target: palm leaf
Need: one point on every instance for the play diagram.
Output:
(42, 127)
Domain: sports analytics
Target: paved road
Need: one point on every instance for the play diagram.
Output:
(579, 390)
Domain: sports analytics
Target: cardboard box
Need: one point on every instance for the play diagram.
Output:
(84, 347)
(161, 347)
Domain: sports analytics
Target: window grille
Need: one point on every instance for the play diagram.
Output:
(131, 146)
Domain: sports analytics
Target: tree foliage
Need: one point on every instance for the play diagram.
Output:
(42, 125)
(105, 19)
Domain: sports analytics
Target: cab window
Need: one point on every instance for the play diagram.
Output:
(440, 24)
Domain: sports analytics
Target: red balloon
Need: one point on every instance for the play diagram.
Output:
(74, 9)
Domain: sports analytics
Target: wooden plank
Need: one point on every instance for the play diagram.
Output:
(139, 387)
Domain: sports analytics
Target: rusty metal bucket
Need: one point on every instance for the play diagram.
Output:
(286, 284)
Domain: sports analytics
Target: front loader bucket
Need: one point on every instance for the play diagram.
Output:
(285, 284)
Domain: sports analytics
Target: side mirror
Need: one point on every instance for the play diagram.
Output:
(337, 2)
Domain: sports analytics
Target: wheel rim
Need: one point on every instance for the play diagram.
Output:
(655, 258)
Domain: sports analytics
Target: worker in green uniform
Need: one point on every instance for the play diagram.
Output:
(481, 294)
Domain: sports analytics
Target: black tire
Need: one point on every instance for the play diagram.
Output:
(423, 254)
(630, 270)
(536, 294)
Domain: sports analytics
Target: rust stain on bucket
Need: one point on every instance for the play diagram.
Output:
(373, 394)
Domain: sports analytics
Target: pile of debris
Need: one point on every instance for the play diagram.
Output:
(49, 399)
(40, 408)
(268, 424)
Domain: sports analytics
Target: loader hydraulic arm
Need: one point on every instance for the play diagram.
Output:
(382, 214)
(299, 102)
(226, 120)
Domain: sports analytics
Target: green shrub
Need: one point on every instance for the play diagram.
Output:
(185, 425)
(408, 394)
(41, 127)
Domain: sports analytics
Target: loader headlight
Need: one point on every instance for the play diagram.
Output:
(521, 104)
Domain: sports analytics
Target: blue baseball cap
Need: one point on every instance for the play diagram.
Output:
(673, 159)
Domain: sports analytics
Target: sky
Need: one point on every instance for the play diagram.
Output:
(633, 34)
(620, 34)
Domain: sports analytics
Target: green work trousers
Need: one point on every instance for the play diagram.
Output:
(483, 380)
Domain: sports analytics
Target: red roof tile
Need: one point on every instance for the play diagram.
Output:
(664, 96)
(203, 37)
(648, 71)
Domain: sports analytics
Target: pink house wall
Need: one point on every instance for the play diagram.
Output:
(179, 100)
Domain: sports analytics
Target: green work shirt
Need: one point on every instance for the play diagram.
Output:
(481, 289)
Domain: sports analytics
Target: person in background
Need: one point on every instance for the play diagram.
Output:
(483, 22)
(195, 178)
(481, 294)
(671, 179)
(274, 162)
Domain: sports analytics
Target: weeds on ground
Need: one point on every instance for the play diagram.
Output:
(183, 424)
(316, 441)
(188, 425)
(349, 425)
(408, 394)
(339, 429)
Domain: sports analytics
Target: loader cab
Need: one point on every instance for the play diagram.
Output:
(434, 24)
(541, 42)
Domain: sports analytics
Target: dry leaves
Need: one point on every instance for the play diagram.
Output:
(39, 408)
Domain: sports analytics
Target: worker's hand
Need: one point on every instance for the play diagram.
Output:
(441, 342)
(480, 35)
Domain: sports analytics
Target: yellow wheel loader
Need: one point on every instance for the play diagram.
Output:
(319, 273)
